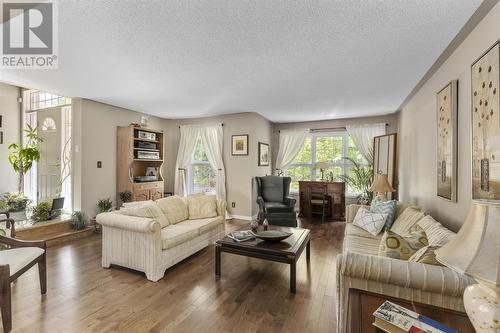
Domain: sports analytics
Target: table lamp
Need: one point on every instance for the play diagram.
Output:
(381, 186)
(475, 251)
(322, 166)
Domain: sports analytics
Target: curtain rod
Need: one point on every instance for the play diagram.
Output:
(194, 124)
(329, 129)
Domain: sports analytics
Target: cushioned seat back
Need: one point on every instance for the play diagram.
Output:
(272, 188)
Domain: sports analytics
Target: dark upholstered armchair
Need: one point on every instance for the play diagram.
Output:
(274, 203)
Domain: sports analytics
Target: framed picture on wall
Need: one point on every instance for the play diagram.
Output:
(239, 145)
(446, 113)
(485, 78)
(264, 155)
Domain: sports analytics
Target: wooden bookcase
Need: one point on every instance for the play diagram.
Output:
(133, 146)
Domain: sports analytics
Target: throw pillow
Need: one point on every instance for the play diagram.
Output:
(406, 220)
(395, 246)
(174, 208)
(150, 210)
(426, 255)
(202, 206)
(436, 233)
(135, 203)
(369, 221)
(381, 206)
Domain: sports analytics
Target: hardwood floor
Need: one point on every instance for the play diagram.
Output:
(251, 296)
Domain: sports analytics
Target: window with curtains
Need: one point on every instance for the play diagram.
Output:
(201, 176)
(330, 147)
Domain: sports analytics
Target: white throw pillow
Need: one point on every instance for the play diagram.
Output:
(202, 206)
(436, 233)
(174, 208)
(371, 222)
(408, 218)
(149, 210)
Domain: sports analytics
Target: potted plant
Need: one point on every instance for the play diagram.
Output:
(104, 205)
(79, 220)
(16, 203)
(125, 196)
(41, 212)
(360, 180)
(22, 157)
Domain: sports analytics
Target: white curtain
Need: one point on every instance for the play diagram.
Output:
(212, 139)
(362, 136)
(291, 143)
(187, 143)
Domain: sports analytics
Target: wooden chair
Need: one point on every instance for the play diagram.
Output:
(10, 224)
(15, 261)
(320, 201)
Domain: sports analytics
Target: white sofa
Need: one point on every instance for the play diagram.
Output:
(142, 244)
(360, 267)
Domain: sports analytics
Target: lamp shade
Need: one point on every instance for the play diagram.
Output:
(381, 184)
(475, 250)
(322, 165)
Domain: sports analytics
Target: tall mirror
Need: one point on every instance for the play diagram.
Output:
(384, 159)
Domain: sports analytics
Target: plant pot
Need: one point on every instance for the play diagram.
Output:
(18, 216)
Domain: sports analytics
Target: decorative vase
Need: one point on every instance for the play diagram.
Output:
(254, 225)
(482, 304)
(265, 224)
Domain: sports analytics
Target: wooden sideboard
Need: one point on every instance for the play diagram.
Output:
(335, 191)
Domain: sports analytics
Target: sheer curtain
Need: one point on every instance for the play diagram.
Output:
(291, 142)
(212, 139)
(362, 136)
(187, 143)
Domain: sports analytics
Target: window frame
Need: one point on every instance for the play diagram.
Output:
(190, 171)
(344, 164)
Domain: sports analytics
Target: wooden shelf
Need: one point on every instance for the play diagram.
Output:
(146, 140)
(146, 149)
(147, 160)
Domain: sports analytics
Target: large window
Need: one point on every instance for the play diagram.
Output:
(201, 175)
(330, 147)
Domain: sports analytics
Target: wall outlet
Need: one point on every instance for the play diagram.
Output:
(99, 164)
(233, 204)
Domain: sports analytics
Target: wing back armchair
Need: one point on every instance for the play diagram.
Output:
(274, 201)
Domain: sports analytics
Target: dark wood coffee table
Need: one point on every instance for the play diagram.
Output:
(287, 251)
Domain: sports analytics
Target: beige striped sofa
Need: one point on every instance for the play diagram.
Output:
(360, 267)
(141, 243)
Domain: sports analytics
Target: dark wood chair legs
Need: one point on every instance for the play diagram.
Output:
(5, 302)
(42, 271)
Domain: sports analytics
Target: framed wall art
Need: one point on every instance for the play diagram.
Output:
(485, 77)
(446, 168)
(263, 154)
(239, 145)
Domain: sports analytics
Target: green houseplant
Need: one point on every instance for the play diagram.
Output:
(360, 180)
(104, 205)
(22, 157)
(41, 212)
(15, 201)
(79, 220)
(125, 196)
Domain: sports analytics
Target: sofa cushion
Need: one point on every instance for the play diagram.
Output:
(136, 203)
(201, 206)
(19, 257)
(149, 209)
(176, 234)
(369, 221)
(406, 220)
(395, 246)
(272, 189)
(385, 207)
(351, 229)
(174, 208)
(277, 207)
(436, 233)
(204, 225)
(361, 244)
(426, 255)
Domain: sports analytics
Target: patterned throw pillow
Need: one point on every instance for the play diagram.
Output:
(395, 246)
(436, 233)
(426, 255)
(408, 218)
(371, 222)
(383, 206)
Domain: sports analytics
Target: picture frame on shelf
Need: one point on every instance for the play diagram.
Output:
(239, 145)
(152, 172)
(263, 154)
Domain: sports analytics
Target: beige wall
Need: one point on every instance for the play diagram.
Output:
(97, 142)
(11, 124)
(239, 169)
(417, 127)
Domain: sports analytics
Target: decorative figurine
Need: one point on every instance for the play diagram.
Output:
(254, 225)
(265, 224)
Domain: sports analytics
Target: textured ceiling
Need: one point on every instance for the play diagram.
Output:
(287, 60)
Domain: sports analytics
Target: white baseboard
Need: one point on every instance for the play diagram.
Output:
(242, 217)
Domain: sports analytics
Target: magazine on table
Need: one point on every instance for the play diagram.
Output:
(241, 236)
(409, 321)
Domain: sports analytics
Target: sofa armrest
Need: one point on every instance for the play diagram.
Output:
(125, 222)
(221, 208)
(260, 202)
(290, 202)
(413, 275)
(351, 211)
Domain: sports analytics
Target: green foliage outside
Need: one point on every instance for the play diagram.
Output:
(359, 180)
(22, 158)
(203, 175)
(41, 212)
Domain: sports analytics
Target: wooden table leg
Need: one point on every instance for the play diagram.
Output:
(308, 250)
(217, 260)
(293, 277)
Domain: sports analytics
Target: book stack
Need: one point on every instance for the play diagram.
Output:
(393, 318)
(241, 236)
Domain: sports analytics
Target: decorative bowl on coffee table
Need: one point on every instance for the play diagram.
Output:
(272, 235)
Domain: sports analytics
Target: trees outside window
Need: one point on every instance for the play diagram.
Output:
(200, 173)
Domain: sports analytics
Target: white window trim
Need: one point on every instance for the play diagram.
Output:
(190, 179)
(343, 163)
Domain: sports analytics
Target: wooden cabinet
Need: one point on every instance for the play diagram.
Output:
(336, 196)
(139, 154)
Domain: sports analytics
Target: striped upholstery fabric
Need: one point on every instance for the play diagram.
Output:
(436, 233)
(408, 218)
